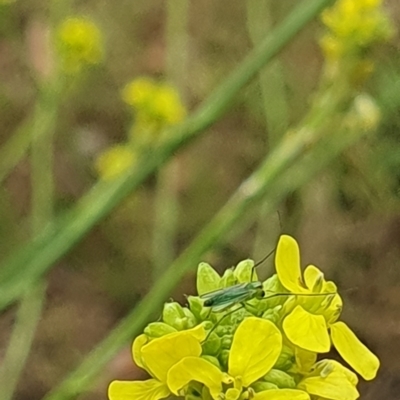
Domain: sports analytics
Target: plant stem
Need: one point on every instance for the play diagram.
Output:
(26, 265)
(166, 197)
(275, 109)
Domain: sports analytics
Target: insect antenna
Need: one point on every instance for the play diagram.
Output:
(258, 263)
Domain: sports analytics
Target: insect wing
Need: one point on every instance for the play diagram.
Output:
(226, 305)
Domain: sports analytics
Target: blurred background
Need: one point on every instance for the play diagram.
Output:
(346, 218)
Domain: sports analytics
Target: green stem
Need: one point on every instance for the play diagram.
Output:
(25, 266)
(30, 307)
(294, 146)
(166, 210)
(275, 110)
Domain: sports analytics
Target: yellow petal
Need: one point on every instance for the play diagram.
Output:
(137, 345)
(162, 353)
(313, 278)
(307, 331)
(353, 351)
(287, 264)
(281, 394)
(255, 348)
(138, 390)
(195, 369)
(335, 386)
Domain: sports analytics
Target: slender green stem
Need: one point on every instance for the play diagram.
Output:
(27, 317)
(25, 266)
(166, 197)
(30, 307)
(275, 110)
(296, 145)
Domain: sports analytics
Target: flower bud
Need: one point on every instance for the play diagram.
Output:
(174, 315)
(223, 358)
(280, 379)
(158, 329)
(228, 279)
(261, 386)
(244, 271)
(226, 341)
(272, 286)
(273, 314)
(196, 306)
(212, 345)
(208, 279)
(212, 360)
(190, 318)
(286, 359)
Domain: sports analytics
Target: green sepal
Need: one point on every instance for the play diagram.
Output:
(158, 329)
(280, 379)
(212, 345)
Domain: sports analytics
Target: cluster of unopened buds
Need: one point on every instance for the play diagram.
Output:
(245, 339)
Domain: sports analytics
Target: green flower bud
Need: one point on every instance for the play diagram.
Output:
(174, 315)
(212, 360)
(221, 330)
(223, 358)
(205, 394)
(273, 314)
(286, 359)
(244, 271)
(158, 329)
(208, 279)
(190, 318)
(226, 341)
(272, 286)
(212, 345)
(261, 386)
(228, 279)
(196, 306)
(280, 379)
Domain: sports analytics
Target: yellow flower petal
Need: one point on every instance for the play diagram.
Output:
(353, 351)
(256, 346)
(137, 345)
(335, 386)
(307, 331)
(195, 369)
(281, 394)
(162, 353)
(313, 278)
(287, 264)
(138, 390)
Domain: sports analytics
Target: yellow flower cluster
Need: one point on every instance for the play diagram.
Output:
(79, 43)
(156, 106)
(353, 26)
(267, 347)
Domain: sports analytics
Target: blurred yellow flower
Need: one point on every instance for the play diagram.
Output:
(353, 26)
(79, 43)
(156, 106)
(114, 161)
